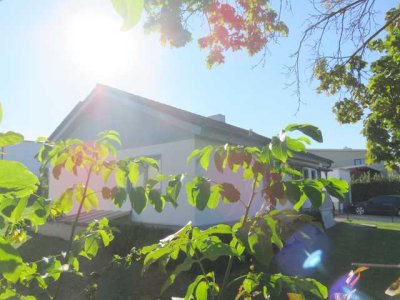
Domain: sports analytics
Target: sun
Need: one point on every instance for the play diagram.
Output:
(96, 44)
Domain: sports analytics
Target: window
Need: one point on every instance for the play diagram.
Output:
(313, 174)
(310, 173)
(359, 161)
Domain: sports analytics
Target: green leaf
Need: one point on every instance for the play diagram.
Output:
(265, 155)
(336, 188)
(130, 11)
(156, 200)
(120, 177)
(292, 191)
(65, 202)
(318, 288)
(260, 245)
(173, 189)
(154, 255)
(105, 174)
(215, 250)
(38, 212)
(192, 155)
(278, 150)
(16, 180)
(198, 192)
(313, 190)
(291, 171)
(104, 237)
(53, 269)
(191, 288)
(91, 197)
(272, 226)
(205, 156)
(138, 199)
(218, 229)
(294, 144)
(215, 195)
(10, 138)
(10, 261)
(113, 137)
(120, 197)
(251, 282)
(78, 193)
(91, 246)
(202, 290)
(309, 130)
(134, 172)
(149, 162)
(186, 265)
(299, 204)
(19, 209)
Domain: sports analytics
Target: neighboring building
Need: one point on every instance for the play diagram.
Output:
(24, 153)
(150, 128)
(353, 160)
(348, 164)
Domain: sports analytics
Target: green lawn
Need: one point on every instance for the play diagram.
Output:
(378, 224)
(350, 242)
(342, 245)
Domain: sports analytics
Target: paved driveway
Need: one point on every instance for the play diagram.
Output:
(369, 218)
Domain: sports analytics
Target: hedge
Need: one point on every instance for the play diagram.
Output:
(368, 186)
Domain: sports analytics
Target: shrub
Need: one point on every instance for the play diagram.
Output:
(368, 186)
(137, 235)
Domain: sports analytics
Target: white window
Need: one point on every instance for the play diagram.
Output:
(310, 173)
(359, 161)
(313, 174)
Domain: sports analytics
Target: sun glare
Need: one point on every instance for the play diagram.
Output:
(97, 45)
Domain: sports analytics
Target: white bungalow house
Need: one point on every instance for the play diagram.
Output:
(150, 128)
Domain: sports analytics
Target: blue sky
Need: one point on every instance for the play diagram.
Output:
(42, 76)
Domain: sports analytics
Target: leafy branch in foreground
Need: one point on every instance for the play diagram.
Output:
(23, 210)
(252, 241)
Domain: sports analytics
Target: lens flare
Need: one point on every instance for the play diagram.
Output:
(313, 260)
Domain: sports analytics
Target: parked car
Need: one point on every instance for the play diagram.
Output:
(386, 204)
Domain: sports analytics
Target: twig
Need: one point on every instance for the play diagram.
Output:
(382, 266)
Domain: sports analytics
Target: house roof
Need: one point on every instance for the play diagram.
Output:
(186, 116)
(362, 167)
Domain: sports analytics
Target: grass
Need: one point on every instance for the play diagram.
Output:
(377, 224)
(351, 243)
(343, 244)
(348, 243)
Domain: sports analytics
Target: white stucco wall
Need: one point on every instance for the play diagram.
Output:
(24, 153)
(342, 174)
